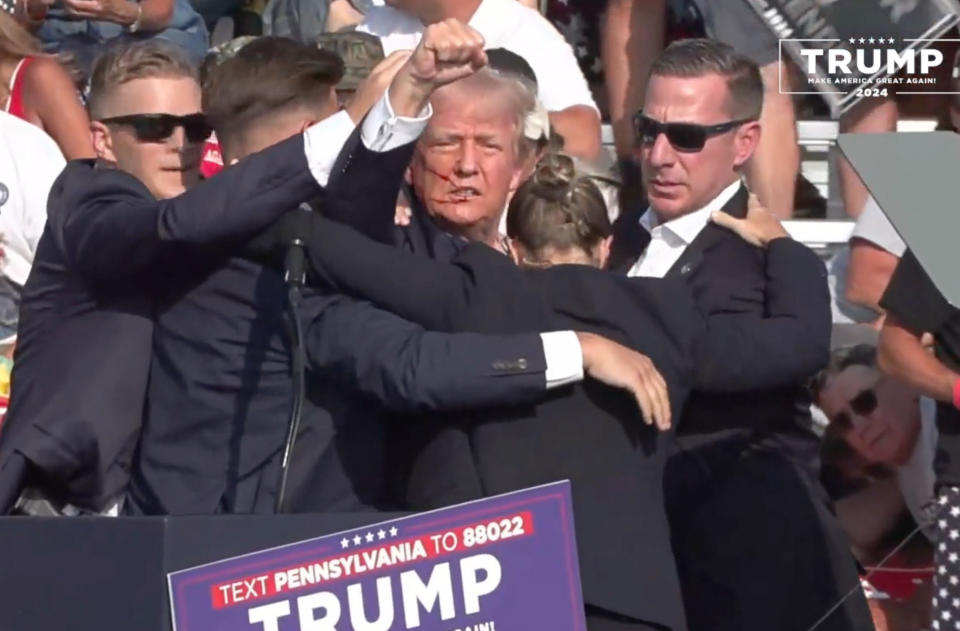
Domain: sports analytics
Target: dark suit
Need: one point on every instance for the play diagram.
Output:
(620, 473)
(756, 544)
(86, 319)
(220, 386)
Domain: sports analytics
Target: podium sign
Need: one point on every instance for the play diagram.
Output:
(847, 50)
(506, 562)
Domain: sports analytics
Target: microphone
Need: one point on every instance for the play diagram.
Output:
(295, 262)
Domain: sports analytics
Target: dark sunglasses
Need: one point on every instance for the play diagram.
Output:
(687, 137)
(864, 404)
(159, 127)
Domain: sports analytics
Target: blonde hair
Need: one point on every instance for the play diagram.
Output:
(141, 60)
(557, 209)
(16, 42)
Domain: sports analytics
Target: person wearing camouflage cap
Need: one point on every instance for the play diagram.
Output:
(360, 52)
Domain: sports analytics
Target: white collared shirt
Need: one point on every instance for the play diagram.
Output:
(669, 240)
(503, 24)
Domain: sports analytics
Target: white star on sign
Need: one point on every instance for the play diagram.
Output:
(863, 41)
(891, 40)
(393, 531)
(381, 535)
(356, 540)
(956, 603)
(954, 534)
(953, 557)
(955, 511)
(872, 40)
(943, 500)
(853, 40)
(954, 580)
(943, 546)
(369, 537)
(943, 592)
(344, 543)
(945, 615)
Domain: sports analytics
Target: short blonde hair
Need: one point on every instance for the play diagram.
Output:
(140, 60)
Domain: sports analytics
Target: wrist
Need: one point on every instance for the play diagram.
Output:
(408, 95)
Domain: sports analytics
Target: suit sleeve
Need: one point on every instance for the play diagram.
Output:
(437, 295)
(116, 228)
(406, 368)
(741, 352)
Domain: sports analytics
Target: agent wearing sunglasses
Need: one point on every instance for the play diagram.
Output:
(884, 421)
(737, 477)
(120, 230)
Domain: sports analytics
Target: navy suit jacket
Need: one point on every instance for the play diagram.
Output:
(732, 280)
(82, 360)
(220, 387)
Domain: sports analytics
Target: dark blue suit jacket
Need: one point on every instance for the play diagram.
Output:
(82, 359)
(220, 386)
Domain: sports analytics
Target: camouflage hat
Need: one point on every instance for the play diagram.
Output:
(360, 52)
(228, 49)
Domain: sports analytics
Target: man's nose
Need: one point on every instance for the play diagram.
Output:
(661, 152)
(467, 160)
(178, 139)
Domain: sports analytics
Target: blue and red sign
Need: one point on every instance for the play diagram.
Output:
(507, 562)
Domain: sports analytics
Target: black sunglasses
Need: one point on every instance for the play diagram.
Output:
(687, 137)
(864, 404)
(159, 127)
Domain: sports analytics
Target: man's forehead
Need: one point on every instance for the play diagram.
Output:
(686, 98)
(173, 95)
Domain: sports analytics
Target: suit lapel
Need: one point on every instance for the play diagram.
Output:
(630, 239)
(710, 236)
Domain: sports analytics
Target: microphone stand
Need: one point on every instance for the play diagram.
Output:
(295, 277)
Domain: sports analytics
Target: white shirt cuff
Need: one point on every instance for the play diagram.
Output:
(383, 130)
(322, 144)
(564, 358)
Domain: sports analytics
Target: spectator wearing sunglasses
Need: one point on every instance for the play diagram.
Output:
(121, 231)
(885, 421)
(742, 491)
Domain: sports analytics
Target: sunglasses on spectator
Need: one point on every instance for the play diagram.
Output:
(159, 127)
(686, 137)
(864, 404)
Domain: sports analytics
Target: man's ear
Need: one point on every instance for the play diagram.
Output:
(602, 251)
(516, 250)
(102, 142)
(745, 142)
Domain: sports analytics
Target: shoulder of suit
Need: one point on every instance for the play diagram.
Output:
(83, 182)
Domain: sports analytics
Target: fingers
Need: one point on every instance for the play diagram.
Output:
(655, 388)
(739, 226)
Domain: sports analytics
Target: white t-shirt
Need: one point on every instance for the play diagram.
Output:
(503, 24)
(30, 161)
(916, 478)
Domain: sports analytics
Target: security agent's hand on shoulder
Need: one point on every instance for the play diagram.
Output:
(758, 228)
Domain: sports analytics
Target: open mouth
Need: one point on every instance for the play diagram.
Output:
(463, 194)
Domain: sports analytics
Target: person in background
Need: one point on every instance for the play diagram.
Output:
(83, 28)
(506, 24)
(36, 88)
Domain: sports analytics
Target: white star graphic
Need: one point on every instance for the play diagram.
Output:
(956, 603)
(393, 531)
(943, 547)
(942, 570)
(954, 580)
(344, 543)
(943, 592)
(369, 537)
(953, 557)
(955, 511)
(872, 40)
(863, 41)
(853, 40)
(943, 500)
(936, 624)
(356, 540)
(891, 40)
(942, 523)
(954, 534)
(381, 535)
(946, 615)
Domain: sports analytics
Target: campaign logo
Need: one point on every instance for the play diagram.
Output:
(867, 67)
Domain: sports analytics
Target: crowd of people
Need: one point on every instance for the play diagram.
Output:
(402, 222)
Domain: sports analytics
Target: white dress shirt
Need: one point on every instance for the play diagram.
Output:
(669, 240)
(503, 24)
(383, 131)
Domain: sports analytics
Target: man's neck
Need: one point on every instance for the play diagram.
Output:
(460, 10)
(662, 220)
